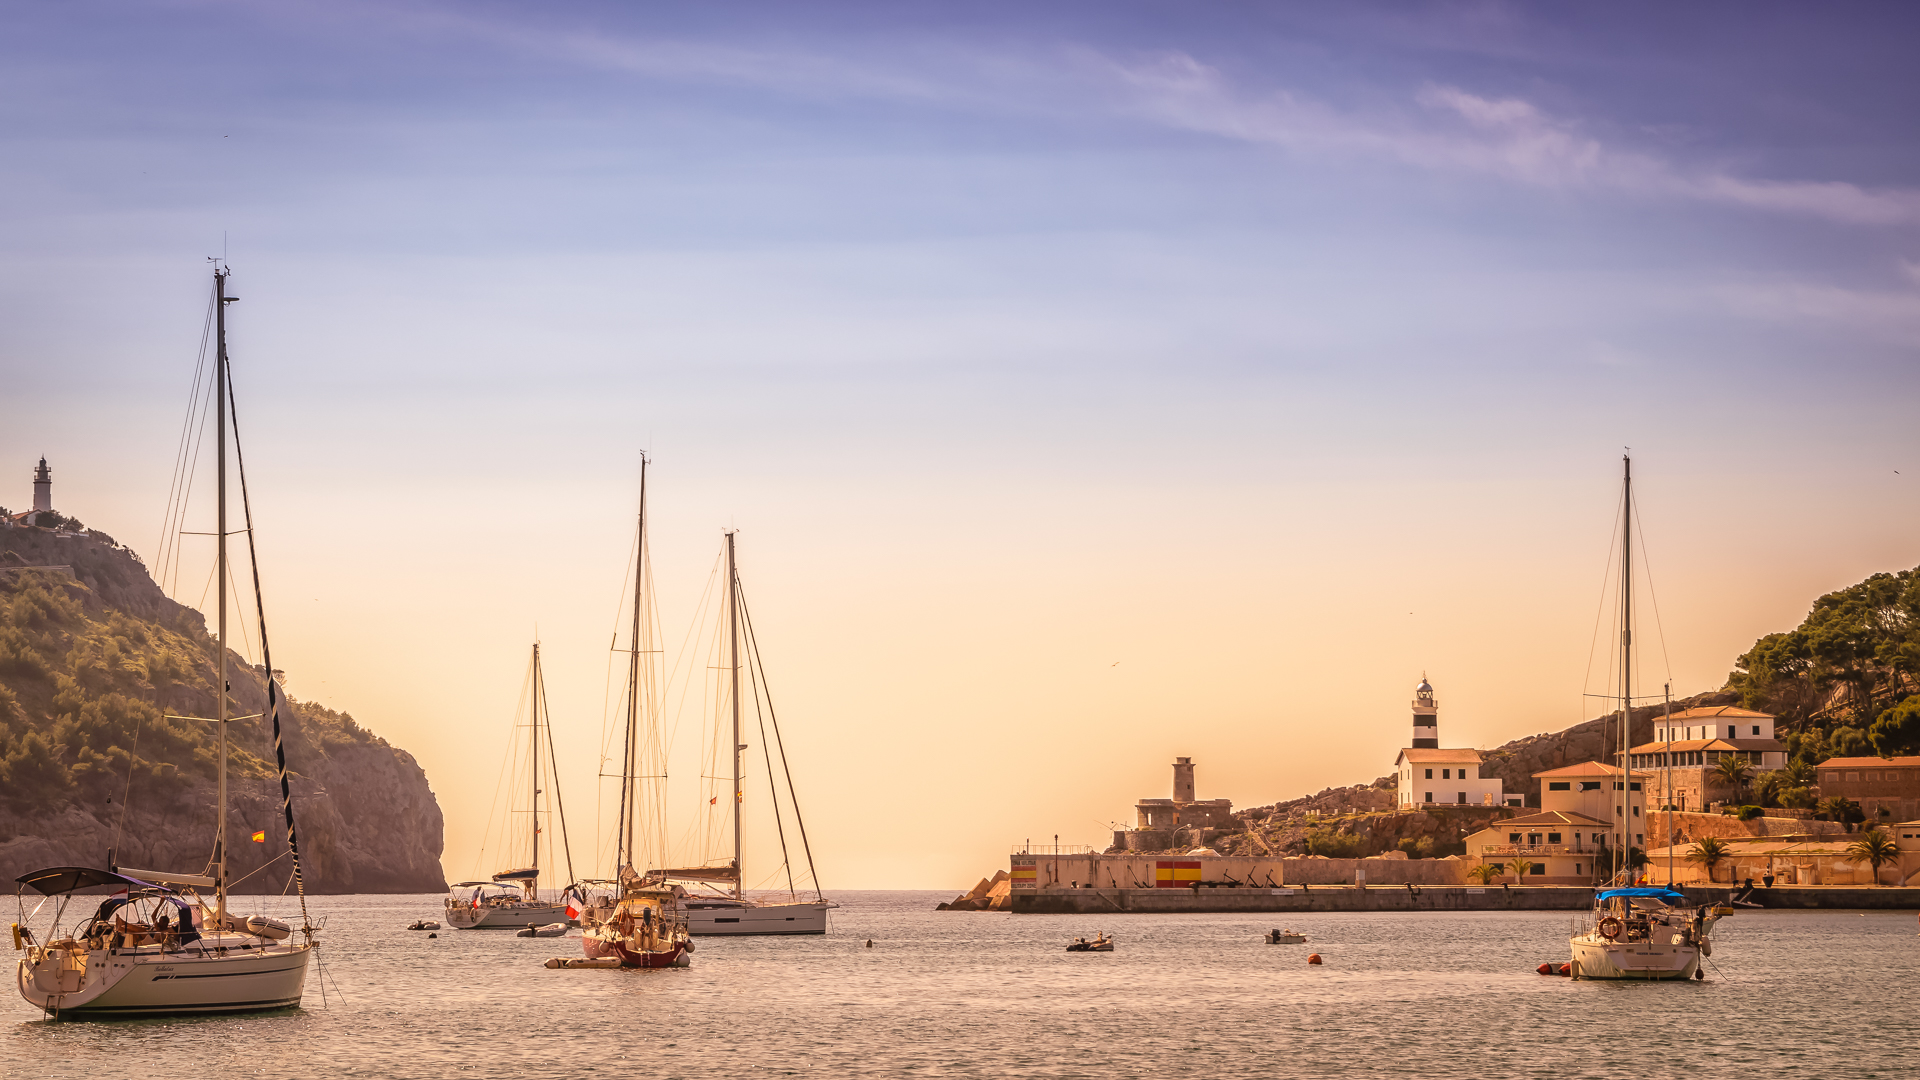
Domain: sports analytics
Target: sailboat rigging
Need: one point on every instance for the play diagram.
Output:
(157, 946)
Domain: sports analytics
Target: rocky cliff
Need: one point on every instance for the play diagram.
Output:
(97, 665)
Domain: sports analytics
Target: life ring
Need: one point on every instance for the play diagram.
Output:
(1610, 927)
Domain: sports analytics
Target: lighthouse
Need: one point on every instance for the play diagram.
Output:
(42, 487)
(1426, 717)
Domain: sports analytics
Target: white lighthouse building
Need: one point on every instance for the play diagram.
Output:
(1432, 776)
(42, 487)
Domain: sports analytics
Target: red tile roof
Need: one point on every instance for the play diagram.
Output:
(1718, 710)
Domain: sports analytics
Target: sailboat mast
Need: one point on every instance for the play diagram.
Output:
(1667, 711)
(733, 645)
(629, 797)
(534, 804)
(220, 573)
(1626, 666)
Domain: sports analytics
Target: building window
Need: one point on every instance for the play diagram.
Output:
(1429, 794)
(1559, 785)
(1589, 785)
(1636, 810)
(1462, 800)
(1513, 838)
(1853, 777)
(1446, 774)
(1756, 729)
(1429, 774)
(1533, 838)
(1539, 868)
(1553, 838)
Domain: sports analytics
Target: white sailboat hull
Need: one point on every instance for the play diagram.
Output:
(733, 917)
(1595, 957)
(514, 916)
(147, 982)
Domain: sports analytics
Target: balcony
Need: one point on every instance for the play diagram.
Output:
(1536, 849)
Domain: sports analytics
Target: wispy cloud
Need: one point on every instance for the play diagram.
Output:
(1457, 130)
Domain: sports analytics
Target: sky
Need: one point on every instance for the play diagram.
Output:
(1089, 384)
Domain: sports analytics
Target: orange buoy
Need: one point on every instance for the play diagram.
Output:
(1545, 969)
(1566, 969)
(1313, 958)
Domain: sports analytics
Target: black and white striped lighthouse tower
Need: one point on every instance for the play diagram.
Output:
(1426, 717)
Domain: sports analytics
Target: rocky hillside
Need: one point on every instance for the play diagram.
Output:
(92, 664)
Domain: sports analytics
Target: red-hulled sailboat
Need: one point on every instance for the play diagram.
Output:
(643, 924)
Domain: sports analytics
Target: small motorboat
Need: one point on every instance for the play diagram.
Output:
(1285, 937)
(1103, 943)
(558, 929)
(424, 924)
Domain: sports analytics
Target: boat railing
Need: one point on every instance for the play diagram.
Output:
(1051, 849)
(1536, 849)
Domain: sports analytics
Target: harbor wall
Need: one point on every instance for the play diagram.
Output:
(1811, 897)
(1078, 870)
(1441, 898)
(1306, 898)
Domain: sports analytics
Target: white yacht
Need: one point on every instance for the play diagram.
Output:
(511, 900)
(723, 907)
(1638, 931)
(159, 945)
(1649, 933)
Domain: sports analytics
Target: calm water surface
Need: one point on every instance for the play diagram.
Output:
(1821, 994)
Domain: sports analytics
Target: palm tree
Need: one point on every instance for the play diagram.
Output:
(1731, 771)
(1875, 847)
(1520, 868)
(1483, 873)
(1801, 773)
(1770, 787)
(1710, 851)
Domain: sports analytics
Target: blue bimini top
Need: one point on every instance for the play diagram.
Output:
(1662, 894)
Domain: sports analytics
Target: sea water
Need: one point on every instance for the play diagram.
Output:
(1429, 994)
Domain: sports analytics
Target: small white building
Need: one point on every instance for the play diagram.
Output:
(1430, 775)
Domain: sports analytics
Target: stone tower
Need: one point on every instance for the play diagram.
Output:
(1426, 717)
(42, 487)
(1183, 780)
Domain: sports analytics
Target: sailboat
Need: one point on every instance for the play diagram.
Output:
(635, 919)
(159, 944)
(511, 900)
(1638, 931)
(732, 912)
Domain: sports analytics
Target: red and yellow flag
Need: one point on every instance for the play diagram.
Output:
(260, 837)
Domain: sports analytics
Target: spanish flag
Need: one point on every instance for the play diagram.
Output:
(260, 837)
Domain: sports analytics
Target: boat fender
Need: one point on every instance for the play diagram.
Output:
(1610, 927)
(1706, 948)
(433, 935)
(1699, 973)
(17, 946)
(1545, 969)
(1313, 958)
(1566, 969)
(688, 946)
